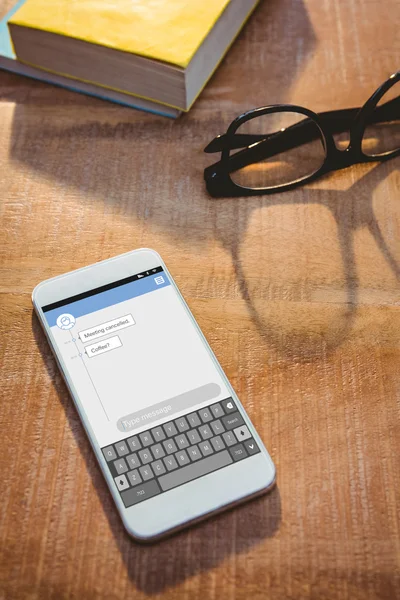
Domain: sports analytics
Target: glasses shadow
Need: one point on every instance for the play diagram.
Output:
(352, 210)
(153, 569)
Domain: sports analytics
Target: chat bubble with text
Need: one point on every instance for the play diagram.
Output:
(105, 328)
(101, 347)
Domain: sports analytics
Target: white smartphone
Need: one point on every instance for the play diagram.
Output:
(173, 441)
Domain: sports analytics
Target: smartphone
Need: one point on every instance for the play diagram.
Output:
(171, 437)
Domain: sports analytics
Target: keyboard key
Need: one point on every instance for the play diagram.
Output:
(134, 443)
(122, 482)
(194, 453)
(146, 472)
(206, 448)
(251, 446)
(217, 427)
(238, 452)
(158, 467)
(120, 466)
(205, 432)
(170, 463)
(140, 492)
(122, 448)
(217, 443)
(193, 419)
(146, 438)
(134, 477)
(228, 405)
(158, 434)
(109, 453)
(133, 461)
(195, 470)
(181, 441)
(170, 429)
(229, 438)
(158, 451)
(193, 437)
(232, 421)
(242, 433)
(145, 456)
(217, 410)
(182, 424)
(205, 415)
(182, 458)
(170, 446)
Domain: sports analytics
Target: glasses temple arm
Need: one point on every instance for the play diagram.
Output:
(334, 119)
(292, 137)
(268, 145)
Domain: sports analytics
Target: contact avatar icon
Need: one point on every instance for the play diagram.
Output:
(66, 321)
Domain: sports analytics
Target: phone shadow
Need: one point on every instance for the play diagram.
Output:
(155, 568)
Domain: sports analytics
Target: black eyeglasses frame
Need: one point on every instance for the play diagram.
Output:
(354, 120)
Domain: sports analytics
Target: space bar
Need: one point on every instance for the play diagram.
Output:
(197, 469)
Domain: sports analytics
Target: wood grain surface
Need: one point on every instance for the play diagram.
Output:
(298, 294)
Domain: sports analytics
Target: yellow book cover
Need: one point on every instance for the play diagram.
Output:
(166, 30)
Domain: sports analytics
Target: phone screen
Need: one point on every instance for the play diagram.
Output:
(134, 355)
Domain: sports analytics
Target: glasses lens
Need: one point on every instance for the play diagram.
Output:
(382, 133)
(277, 149)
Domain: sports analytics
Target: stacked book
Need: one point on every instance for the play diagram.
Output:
(152, 55)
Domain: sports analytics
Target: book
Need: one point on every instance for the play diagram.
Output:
(9, 62)
(160, 50)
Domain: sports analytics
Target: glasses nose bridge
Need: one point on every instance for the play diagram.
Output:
(342, 157)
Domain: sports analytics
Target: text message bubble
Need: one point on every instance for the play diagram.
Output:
(109, 327)
(101, 347)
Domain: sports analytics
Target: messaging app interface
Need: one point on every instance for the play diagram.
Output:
(133, 354)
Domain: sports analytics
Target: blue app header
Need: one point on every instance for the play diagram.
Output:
(79, 308)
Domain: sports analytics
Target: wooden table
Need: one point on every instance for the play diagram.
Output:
(298, 294)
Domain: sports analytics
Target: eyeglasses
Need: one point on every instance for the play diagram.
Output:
(279, 147)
